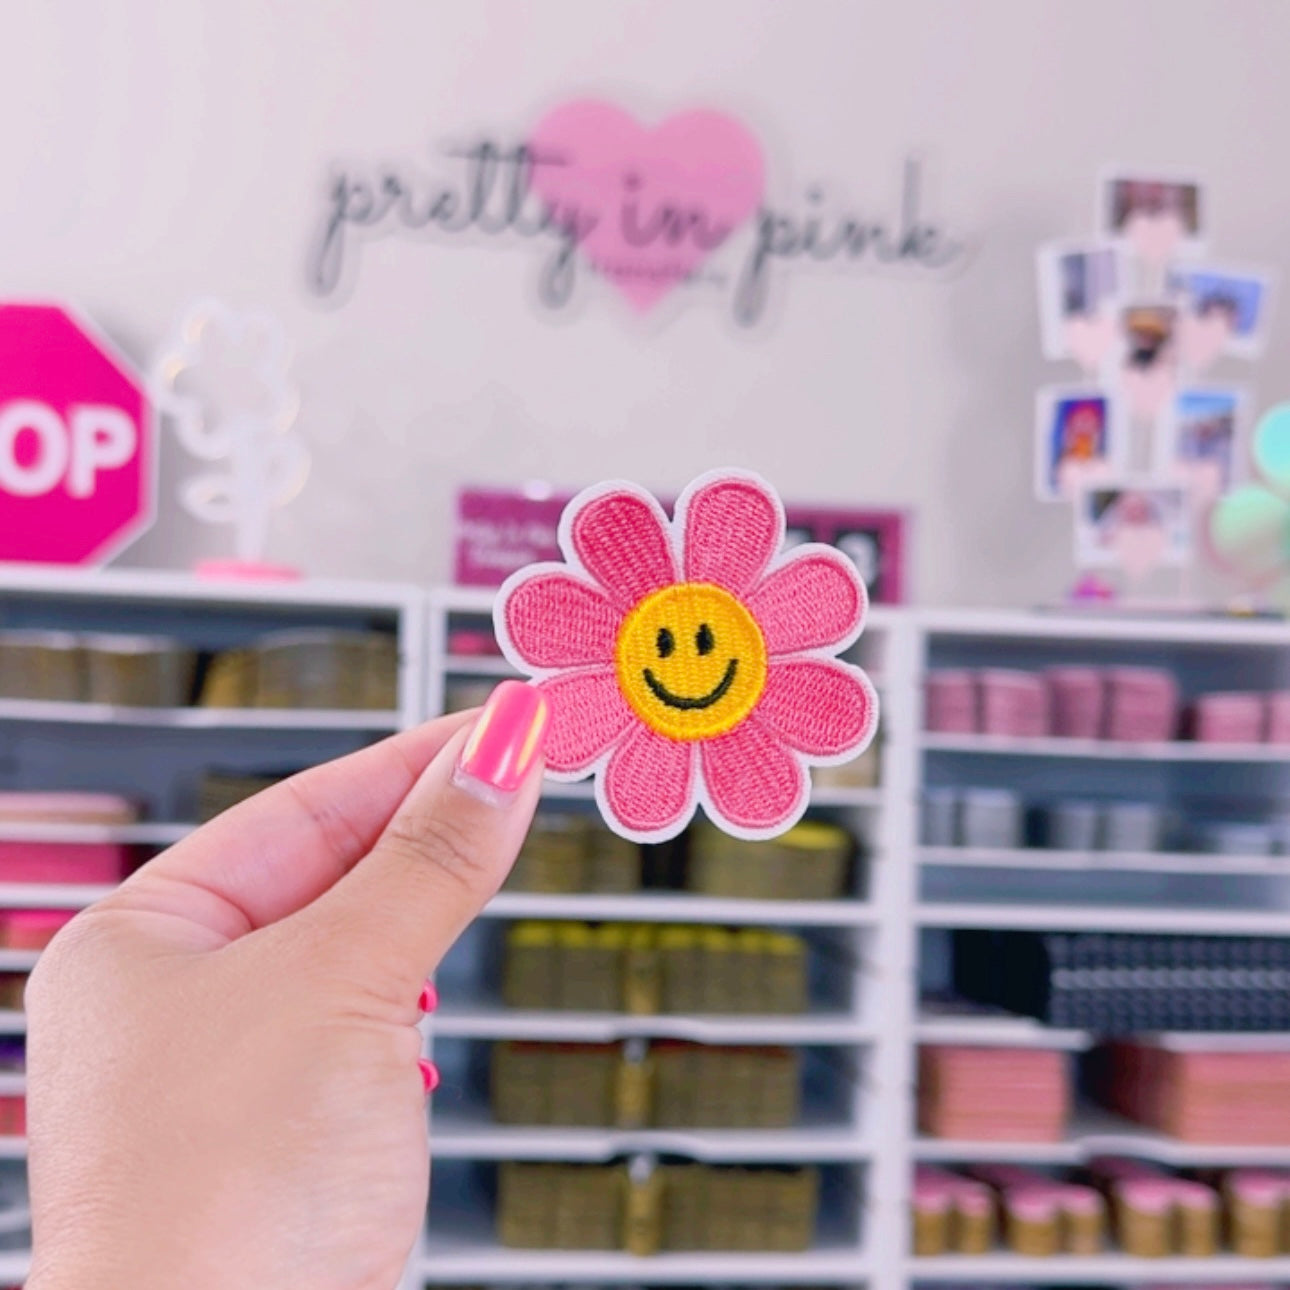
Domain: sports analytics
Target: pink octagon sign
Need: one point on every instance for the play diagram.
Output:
(77, 442)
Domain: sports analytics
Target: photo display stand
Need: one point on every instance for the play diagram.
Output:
(1144, 444)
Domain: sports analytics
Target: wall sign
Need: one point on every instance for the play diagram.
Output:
(685, 204)
(500, 531)
(77, 441)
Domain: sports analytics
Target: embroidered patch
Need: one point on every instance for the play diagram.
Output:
(691, 661)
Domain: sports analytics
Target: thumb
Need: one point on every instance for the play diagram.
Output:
(444, 853)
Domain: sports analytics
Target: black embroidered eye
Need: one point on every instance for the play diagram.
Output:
(704, 641)
(666, 642)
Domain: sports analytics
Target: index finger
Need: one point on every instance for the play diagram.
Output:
(277, 852)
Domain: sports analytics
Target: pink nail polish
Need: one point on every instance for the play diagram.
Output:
(429, 999)
(507, 738)
(429, 1075)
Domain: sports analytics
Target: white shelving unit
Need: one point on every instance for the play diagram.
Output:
(873, 952)
(917, 891)
(155, 755)
(864, 1027)
(1175, 892)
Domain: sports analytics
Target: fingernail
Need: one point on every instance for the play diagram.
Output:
(506, 740)
(429, 999)
(429, 1075)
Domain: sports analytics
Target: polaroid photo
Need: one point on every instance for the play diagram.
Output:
(1079, 284)
(1133, 525)
(1157, 216)
(1149, 335)
(1077, 440)
(1205, 444)
(1226, 310)
(1148, 360)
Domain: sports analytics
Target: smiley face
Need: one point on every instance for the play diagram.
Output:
(691, 661)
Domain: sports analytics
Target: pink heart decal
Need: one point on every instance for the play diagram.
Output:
(1139, 548)
(648, 206)
(1205, 481)
(1155, 237)
(1202, 339)
(1148, 390)
(1074, 476)
(1089, 339)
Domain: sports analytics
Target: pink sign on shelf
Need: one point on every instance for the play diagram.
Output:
(502, 530)
(77, 442)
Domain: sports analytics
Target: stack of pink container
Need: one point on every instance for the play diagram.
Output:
(951, 1213)
(13, 1106)
(994, 1094)
(1078, 1213)
(1141, 705)
(31, 929)
(1013, 703)
(1236, 1098)
(1277, 730)
(1157, 1213)
(1229, 718)
(951, 702)
(1131, 704)
(13, 1115)
(1077, 701)
(74, 862)
(1233, 718)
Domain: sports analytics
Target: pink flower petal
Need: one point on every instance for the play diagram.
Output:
(823, 709)
(754, 782)
(555, 620)
(733, 528)
(813, 601)
(588, 716)
(621, 541)
(649, 784)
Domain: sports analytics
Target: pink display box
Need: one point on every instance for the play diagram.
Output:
(32, 929)
(1142, 705)
(13, 1116)
(1278, 728)
(1229, 718)
(1012, 1095)
(67, 808)
(1215, 1097)
(1076, 701)
(1013, 703)
(474, 643)
(78, 862)
(951, 703)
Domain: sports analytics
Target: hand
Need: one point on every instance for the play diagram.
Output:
(223, 1055)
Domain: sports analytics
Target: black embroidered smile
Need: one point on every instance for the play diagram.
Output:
(664, 695)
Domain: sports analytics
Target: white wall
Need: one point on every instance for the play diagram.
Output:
(184, 150)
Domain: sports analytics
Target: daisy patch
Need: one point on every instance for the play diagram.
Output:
(691, 661)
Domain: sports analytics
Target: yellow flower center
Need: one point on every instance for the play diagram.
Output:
(691, 661)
